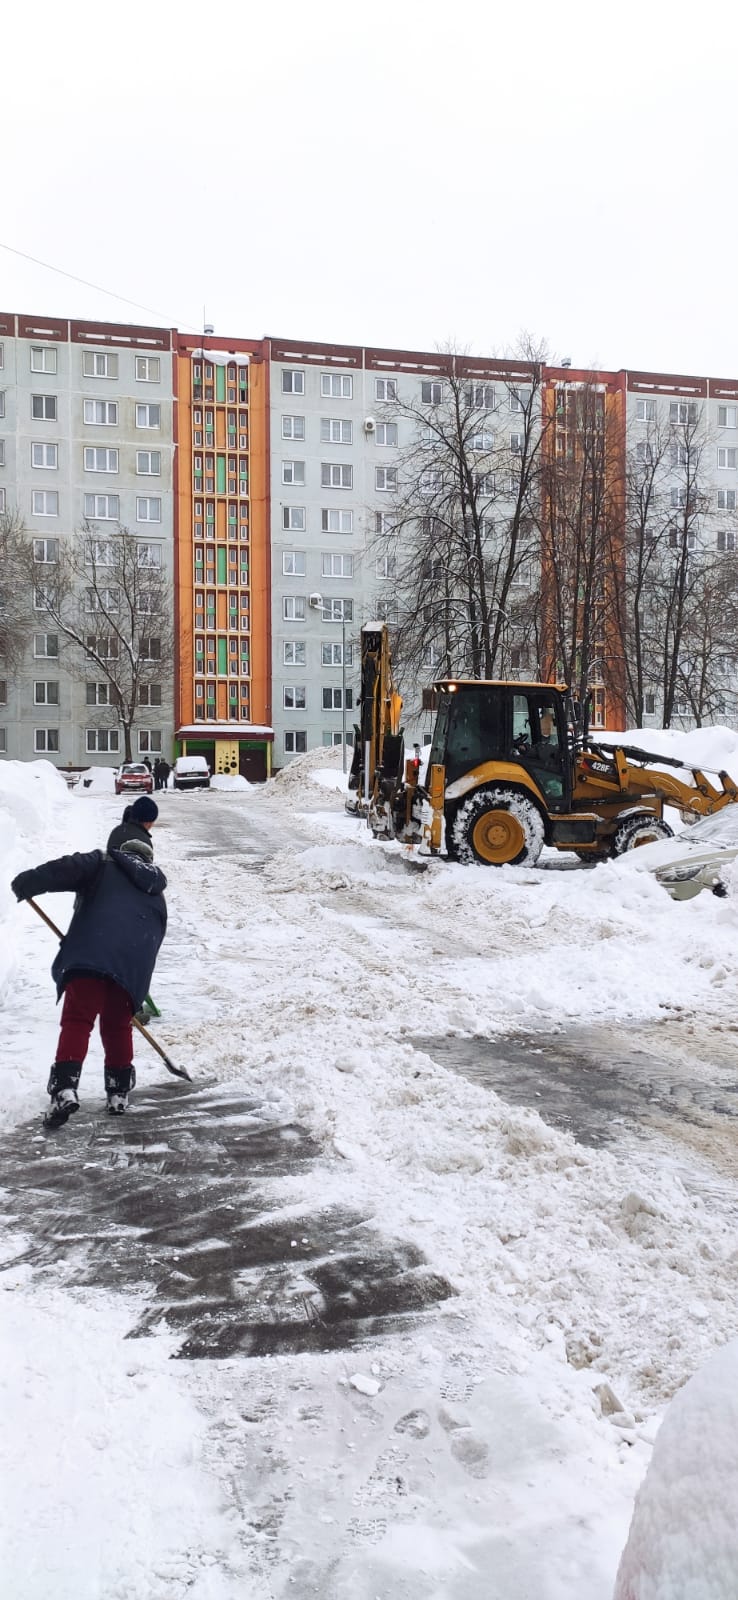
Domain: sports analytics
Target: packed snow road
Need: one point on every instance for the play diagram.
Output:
(370, 1046)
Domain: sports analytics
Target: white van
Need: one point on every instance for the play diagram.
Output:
(191, 772)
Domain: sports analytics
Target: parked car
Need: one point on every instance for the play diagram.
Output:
(695, 859)
(133, 776)
(191, 772)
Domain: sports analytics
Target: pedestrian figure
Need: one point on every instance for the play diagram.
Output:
(157, 773)
(165, 771)
(136, 823)
(106, 958)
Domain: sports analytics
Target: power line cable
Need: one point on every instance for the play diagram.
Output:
(186, 322)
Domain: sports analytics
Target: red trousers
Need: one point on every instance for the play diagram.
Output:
(86, 998)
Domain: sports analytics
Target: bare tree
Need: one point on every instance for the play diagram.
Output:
(633, 585)
(113, 611)
(582, 545)
(460, 536)
(14, 608)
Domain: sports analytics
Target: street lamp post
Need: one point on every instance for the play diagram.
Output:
(316, 602)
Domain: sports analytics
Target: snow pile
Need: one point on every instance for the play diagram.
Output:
(297, 777)
(96, 781)
(229, 782)
(683, 1540)
(712, 749)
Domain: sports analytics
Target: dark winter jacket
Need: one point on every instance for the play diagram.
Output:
(119, 919)
(128, 829)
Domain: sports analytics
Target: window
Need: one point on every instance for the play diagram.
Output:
(97, 694)
(148, 508)
(293, 652)
(337, 566)
(104, 413)
(43, 358)
(726, 541)
(335, 431)
(148, 463)
(3, 741)
(46, 646)
(293, 427)
(3, 691)
(46, 551)
(516, 444)
(102, 507)
(676, 539)
(678, 499)
(484, 483)
(727, 499)
(148, 416)
(335, 476)
(333, 699)
(430, 480)
(293, 519)
(149, 648)
(679, 455)
(149, 694)
(431, 657)
(293, 563)
(383, 522)
(431, 394)
(295, 739)
(104, 646)
(727, 458)
(385, 479)
(650, 706)
(46, 741)
(386, 610)
(482, 441)
(2, 452)
(45, 455)
(149, 741)
(644, 452)
(2, 402)
(2, 499)
(386, 433)
(149, 556)
(331, 655)
(518, 399)
(683, 411)
(45, 502)
(293, 698)
(148, 369)
(337, 385)
(293, 382)
(100, 460)
(43, 407)
(385, 388)
(337, 521)
(101, 740)
(386, 567)
(99, 364)
(293, 607)
(338, 610)
(645, 410)
(45, 692)
(293, 472)
(102, 599)
(728, 416)
(2, 356)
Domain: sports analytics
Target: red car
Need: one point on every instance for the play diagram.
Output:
(134, 777)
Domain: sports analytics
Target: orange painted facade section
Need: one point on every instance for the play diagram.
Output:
(221, 535)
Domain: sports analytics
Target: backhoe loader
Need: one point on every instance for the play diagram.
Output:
(511, 767)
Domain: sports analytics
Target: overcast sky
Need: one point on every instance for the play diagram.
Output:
(405, 172)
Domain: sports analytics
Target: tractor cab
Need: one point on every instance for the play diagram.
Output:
(525, 726)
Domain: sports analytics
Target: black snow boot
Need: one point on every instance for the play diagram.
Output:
(62, 1086)
(118, 1084)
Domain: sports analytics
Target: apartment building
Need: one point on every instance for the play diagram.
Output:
(262, 475)
(222, 665)
(85, 438)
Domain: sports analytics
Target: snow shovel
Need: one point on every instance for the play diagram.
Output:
(179, 1072)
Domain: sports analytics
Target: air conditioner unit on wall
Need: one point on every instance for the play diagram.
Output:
(370, 425)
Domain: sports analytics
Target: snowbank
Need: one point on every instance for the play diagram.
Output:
(96, 780)
(229, 781)
(712, 749)
(683, 1540)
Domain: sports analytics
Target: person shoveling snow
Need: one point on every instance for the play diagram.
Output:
(105, 961)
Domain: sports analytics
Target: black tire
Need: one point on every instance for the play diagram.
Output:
(638, 830)
(497, 827)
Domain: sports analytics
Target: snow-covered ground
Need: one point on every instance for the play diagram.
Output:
(494, 1451)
